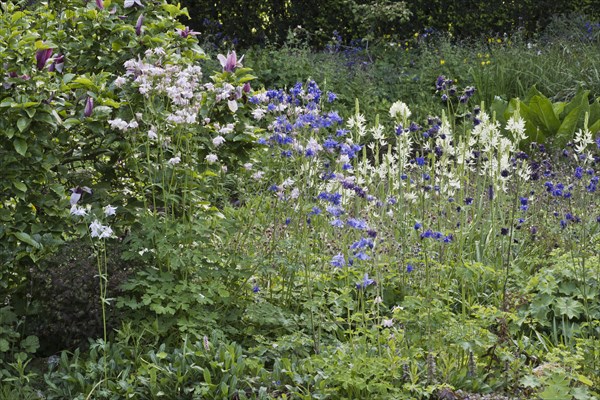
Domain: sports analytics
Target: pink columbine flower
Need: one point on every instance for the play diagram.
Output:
(230, 63)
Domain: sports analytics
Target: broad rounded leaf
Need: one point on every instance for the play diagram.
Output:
(20, 146)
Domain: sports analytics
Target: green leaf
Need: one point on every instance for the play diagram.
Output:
(585, 380)
(20, 185)
(542, 114)
(70, 122)
(569, 125)
(20, 146)
(161, 355)
(24, 237)
(569, 307)
(23, 123)
(30, 344)
(4, 345)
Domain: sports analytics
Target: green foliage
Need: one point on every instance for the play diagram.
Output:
(208, 368)
(551, 123)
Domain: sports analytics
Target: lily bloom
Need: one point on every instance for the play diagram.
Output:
(41, 57)
(230, 63)
(58, 64)
(138, 25)
(89, 107)
(184, 33)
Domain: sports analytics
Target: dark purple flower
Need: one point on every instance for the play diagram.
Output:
(41, 57)
(58, 63)
(138, 25)
(246, 88)
(100, 4)
(184, 33)
(89, 107)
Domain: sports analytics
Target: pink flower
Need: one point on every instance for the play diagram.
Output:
(184, 33)
(230, 63)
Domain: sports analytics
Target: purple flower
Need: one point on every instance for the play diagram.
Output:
(41, 57)
(357, 223)
(89, 107)
(246, 88)
(100, 4)
(338, 261)
(184, 33)
(230, 63)
(58, 63)
(338, 223)
(366, 282)
(138, 25)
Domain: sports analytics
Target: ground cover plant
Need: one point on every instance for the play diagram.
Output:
(176, 226)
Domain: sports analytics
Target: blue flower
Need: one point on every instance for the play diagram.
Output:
(255, 288)
(338, 261)
(357, 223)
(420, 161)
(331, 97)
(361, 244)
(329, 143)
(338, 223)
(362, 256)
(335, 211)
(427, 234)
(563, 223)
(409, 268)
(418, 226)
(288, 221)
(366, 282)
(315, 211)
(578, 172)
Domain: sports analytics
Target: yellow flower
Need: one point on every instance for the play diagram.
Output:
(442, 62)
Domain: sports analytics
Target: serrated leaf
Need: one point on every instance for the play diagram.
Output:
(20, 146)
(25, 238)
(30, 344)
(569, 307)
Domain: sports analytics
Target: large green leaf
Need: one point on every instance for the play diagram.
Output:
(572, 121)
(542, 114)
(24, 237)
